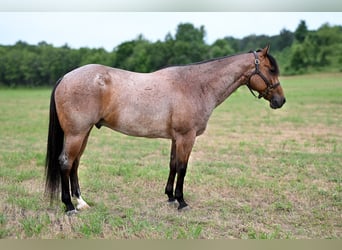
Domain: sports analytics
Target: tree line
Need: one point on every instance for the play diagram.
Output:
(298, 52)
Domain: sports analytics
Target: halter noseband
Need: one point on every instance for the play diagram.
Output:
(258, 72)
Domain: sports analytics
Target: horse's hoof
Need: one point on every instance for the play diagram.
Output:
(71, 212)
(82, 206)
(172, 203)
(183, 208)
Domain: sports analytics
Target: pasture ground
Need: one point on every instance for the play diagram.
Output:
(256, 173)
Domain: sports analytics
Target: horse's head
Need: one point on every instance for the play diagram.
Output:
(264, 79)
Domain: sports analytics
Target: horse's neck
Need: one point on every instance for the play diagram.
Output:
(219, 78)
(229, 74)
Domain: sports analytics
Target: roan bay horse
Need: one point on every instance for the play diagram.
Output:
(173, 103)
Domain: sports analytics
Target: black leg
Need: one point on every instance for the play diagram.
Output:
(66, 198)
(181, 172)
(69, 160)
(75, 187)
(65, 170)
(180, 152)
(172, 174)
(184, 146)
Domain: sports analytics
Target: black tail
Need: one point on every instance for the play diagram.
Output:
(54, 149)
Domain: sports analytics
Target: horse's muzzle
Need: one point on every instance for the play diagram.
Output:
(277, 102)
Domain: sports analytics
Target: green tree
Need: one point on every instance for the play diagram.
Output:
(133, 55)
(189, 45)
(98, 56)
(301, 32)
(187, 32)
(299, 52)
(220, 47)
(298, 60)
(253, 42)
(159, 54)
(320, 50)
(284, 40)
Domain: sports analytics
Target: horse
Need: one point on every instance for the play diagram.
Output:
(174, 103)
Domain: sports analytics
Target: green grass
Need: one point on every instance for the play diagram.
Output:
(256, 173)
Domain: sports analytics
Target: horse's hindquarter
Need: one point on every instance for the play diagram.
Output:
(78, 98)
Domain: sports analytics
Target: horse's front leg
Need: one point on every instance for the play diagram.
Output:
(181, 171)
(184, 144)
(172, 174)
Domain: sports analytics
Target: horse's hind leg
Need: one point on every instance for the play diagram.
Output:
(75, 187)
(72, 149)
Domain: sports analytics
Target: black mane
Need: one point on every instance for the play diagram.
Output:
(273, 62)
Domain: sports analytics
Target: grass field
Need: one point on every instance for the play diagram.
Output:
(256, 173)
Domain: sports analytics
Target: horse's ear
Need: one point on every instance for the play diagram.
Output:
(266, 50)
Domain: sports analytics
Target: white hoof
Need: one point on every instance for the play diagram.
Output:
(81, 204)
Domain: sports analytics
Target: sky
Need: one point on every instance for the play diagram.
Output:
(110, 29)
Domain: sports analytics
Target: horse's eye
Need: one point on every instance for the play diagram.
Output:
(272, 70)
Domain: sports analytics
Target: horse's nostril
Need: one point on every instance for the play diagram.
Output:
(277, 102)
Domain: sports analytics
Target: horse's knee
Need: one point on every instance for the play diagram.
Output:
(181, 169)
